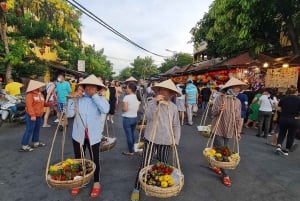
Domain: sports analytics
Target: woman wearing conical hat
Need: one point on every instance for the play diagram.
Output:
(87, 127)
(35, 103)
(230, 122)
(162, 141)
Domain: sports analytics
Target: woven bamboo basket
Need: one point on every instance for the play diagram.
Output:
(109, 144)
(205, 134)
(140, 127)
(225, 165)
(73, 183)
(159, 192)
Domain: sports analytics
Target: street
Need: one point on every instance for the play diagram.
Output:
(261, 175)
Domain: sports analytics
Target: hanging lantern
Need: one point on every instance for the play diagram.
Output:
(3, 7)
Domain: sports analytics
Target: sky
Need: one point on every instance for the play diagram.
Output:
(156, 25)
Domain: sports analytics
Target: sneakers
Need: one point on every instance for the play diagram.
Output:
(56, 120)
(279, 151)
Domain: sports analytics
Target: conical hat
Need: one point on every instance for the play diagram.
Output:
(33, 85)
(234, 82)
(168, 84)
(93, 80)
(131, 79)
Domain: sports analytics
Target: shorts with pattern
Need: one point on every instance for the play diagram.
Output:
(62, 107)
(180, 103)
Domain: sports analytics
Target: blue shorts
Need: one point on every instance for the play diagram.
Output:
(62, 107)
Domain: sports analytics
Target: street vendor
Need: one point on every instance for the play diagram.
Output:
(229, 106)
(86, 126)
(162, 140)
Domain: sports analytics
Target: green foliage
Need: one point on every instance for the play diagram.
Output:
(18, 49)
(125, 73)
(231, 26)
(180, 59)
(143, 67)
(29, 70)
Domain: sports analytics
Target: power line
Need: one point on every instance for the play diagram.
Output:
(107, 26)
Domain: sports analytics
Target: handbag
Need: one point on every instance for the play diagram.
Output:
(195, 108)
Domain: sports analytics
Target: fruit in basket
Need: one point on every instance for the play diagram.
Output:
(222, 154)
(104, 139)
(160, 175)
(68, 170)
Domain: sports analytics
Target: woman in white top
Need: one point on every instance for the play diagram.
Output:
(180, 102)
(130, 109)
(266, 106)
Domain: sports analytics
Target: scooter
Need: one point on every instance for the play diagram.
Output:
(13, 110)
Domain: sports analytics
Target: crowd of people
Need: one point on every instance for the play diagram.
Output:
(232, 107)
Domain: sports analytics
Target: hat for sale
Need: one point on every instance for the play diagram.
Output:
(168, 84)
(234, 82)
(131, 79)
(92, 80)
(33, 85)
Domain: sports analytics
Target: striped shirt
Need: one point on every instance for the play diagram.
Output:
(163, 131)
(231, 117)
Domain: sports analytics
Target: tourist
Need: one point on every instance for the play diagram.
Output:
(51, 98)
(230, 121)
(253, 112)
(162, 141)
(130, 109)
(191, 100)
(289, 107)
(267, 103)
(244, 104)
(205, 94)
(112, 100)
(63, 89)
(180, 102)
(35, 103)
(87, 129)
(13, 88)
(119, 93)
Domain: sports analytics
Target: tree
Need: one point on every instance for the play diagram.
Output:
(143, 67)
(179, 59)
(125, 73)
(232, 26)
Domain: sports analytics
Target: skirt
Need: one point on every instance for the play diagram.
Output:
(180, 103)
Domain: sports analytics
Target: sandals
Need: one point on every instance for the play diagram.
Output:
(95, 192)
(75, 191)
(38, 144)
(216, 170)
(127, 153)
(135, 195)
(26, 149)
(226, 181)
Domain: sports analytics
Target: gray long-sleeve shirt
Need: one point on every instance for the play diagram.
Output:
(163, 131)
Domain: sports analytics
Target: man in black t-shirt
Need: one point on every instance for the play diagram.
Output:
(205, 93)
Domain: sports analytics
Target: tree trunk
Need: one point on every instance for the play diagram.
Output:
(292, 34)
(3, 29)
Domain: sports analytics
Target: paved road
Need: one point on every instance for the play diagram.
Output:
(261, 175)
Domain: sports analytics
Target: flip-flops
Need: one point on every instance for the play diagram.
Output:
(226, 181)
(216, 170)
(38, 144)
(75, 191)
(95, 192)
(26, 149)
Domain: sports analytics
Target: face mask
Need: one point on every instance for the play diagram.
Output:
(59, 79)
(231, 92)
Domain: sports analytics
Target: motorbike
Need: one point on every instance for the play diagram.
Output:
(13, 109)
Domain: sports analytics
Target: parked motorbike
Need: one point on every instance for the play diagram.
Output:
(13, 109)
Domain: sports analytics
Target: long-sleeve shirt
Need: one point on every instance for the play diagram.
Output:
(89, 109)
(35, 103)
(163, 131)
(231, 117)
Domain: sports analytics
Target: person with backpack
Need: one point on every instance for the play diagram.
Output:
(50, 96)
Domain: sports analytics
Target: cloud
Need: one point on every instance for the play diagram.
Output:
(154, 24)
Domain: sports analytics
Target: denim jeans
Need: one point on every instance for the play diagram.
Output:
(203, 107)
(264, 119)
(32, 128)
(129, 125)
